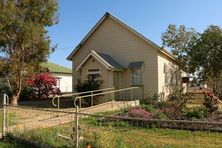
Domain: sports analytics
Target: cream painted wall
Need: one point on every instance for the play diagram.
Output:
(163, 59)
(122, 45)
(106, 75)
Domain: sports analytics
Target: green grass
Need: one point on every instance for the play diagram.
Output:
(5, 144)
(120, 134)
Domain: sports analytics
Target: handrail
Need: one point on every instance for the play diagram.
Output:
(75, 94)
(102, 93)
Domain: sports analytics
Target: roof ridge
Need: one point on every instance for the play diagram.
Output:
(140, 35)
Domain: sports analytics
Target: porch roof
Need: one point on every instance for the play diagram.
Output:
(138, 64)
(105, 59)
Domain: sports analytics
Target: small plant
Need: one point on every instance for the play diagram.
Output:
(178, 99)
(148, 108)
(120, 143)
(210, 102)
(150, 99)
(160, 115)
(195, 113)
(138, 112)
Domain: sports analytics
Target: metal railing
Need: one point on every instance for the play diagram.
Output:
(103, 93)
(77, 94)
(92, 95)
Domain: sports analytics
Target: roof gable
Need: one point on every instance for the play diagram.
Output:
(106, 60)
(108, 15)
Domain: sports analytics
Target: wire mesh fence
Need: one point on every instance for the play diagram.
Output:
(56, 128)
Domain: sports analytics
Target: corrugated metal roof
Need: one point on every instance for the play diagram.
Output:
(111, 61)
(56, 68)
(138, 64)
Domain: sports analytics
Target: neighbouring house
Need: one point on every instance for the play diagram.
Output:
(124, 58)
(62, 74)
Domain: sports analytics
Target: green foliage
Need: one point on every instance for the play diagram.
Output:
(120, 142)
(4, 88)
(92, 83)
(160, 115)
(195, 113)
(150, 99)
(178, 99)
(23, 38)
(201, 53)
(180, 40)
(26, 93)
(148, 107)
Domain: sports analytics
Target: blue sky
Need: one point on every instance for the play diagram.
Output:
(149, 17)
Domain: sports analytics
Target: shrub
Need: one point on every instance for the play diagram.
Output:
(178, 99)
(27, 93)
(210, 102)
(160, 115)
(148, 108)
(138, 112)
(4, 88)
(43, 85)
(150, 99)
(173, 113)
(92, 83)
(197, 113)
(161, 104)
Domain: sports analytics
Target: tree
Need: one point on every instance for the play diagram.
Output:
(206, 57)
(23, 38)
(200, 52)
(43, 84)
(180, 41)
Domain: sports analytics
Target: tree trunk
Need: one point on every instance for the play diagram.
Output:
(15, 99)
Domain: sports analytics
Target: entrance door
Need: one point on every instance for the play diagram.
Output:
(117, 83)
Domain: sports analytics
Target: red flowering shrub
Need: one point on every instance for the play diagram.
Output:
(43, 85)
(138, 112)
(210, 102)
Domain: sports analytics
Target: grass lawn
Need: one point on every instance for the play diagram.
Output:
(124, 135)
(4, 144)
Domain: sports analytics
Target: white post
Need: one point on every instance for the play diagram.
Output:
(58, 103)
(77, 129)
(4, 115)
(91, 98)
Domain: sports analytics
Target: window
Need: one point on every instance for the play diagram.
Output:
(137, 78)
(172, 75)
(167, 78)
(95, 71)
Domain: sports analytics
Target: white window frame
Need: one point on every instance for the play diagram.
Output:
(99, 72)
(141, 78)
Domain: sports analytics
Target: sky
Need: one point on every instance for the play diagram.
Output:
(149, 17)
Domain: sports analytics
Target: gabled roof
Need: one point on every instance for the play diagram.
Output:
(106, 60)
(55, 68)
(108, 15)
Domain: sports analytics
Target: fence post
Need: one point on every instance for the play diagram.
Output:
(4, 115)
(58, 102)
(91, 98)
(77, 129)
